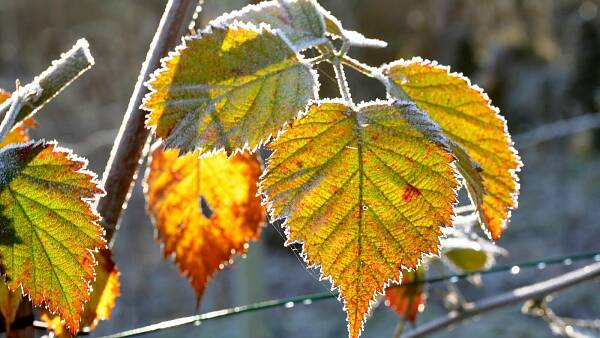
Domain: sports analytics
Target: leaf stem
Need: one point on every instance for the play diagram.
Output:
(340, 76)
(128, 149)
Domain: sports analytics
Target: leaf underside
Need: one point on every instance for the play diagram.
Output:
(205, 209)
(49, 231)
(466, 116)
(230, 88)
(367, 192)
(300, 21)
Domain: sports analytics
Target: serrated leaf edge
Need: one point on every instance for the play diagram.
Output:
(70, 155)
(384, 69)
(398, 281)
(208, 30)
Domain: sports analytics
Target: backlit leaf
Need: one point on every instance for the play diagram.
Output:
(300, 21)
(466, 116)
(106, 289)
(407, 299)
(48, 231)
(366, 192)
(466, 255)
(205, 209)
(229, 88)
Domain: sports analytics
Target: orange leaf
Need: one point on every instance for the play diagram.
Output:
(407, 300)
(205, 209)
(467, 117)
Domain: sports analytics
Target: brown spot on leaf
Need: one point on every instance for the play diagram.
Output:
(410, 193)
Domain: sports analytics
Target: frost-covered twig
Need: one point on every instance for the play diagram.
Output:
(18, 99)
(53, 80)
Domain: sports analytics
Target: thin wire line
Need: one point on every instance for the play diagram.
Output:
(314, 297)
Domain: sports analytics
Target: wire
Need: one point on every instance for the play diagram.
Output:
(314, 297)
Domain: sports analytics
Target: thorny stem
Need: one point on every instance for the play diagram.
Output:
(128, 149)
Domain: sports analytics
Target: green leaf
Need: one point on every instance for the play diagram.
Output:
(300, 21)
(466, 255)
(230, 88)
(367, 191)
(48, 230)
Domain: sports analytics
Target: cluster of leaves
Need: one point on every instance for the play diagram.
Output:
(368, 189)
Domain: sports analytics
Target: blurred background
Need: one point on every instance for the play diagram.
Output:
(539, 60)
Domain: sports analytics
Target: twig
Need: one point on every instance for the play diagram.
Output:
(562, 128)
(128, 148)
(508, 298)
(53, 80)
(19, 98)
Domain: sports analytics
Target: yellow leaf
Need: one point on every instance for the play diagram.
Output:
(465, 114)
(106, 290)
(9, 303)
(367, 192)
(205, 209)
(230, 88)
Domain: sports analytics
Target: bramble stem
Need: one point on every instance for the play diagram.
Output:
(128, 149)
(55, 78)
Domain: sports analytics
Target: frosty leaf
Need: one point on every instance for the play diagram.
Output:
(407, 299)
(465, 255)
(335, 29)
(229, 88)
(106, 289)
(300, 21)
(466, 116)
(48, 230)
(366, 192)
(19, 133)
(9, 303)
(203, 242)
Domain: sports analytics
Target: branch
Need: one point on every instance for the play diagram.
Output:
(129, 145)
(508, 298)
(53, 80)
(310, 298)
(553, 130)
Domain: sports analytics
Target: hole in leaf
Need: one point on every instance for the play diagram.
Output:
(205, 208)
